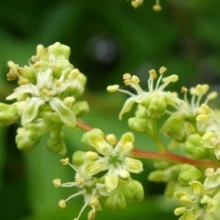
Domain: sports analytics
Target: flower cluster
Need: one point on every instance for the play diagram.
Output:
(151, 104)
(200, 200)
(182, 123)
(197, 191)
(103, 174)
(45, 97)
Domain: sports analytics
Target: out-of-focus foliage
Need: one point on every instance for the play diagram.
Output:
(107, 38)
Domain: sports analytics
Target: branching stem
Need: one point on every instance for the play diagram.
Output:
(168, 156)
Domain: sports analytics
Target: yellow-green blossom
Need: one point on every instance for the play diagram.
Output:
(45, 98)
(51, 80)
(200, 200)
(114, 156)
(155, 100)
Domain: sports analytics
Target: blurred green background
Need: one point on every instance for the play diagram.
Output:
(107, 39)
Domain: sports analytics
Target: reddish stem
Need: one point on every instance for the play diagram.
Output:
(168, 156)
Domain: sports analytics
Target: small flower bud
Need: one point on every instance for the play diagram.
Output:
(68, 101)
(8, 114)
(159, 176)
(188, 173)
(62, 204)
(56, 142)
(134, 191)
(138, 124)
(194, 146)
(59, 50)
(80, 108)
(124, 174)
(177, 127)
(157, 107)
(116, 201)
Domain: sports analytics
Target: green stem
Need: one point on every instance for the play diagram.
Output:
(163, 155)
(153, 133)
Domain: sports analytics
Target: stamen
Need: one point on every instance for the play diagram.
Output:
(185, 91)
(158, 81)
(157, 6)
(68, 184)
(62, 204)
(153, 73)
(64, 161)
(74, 195)
(57, 182)
(135, 84)
(135, 79)
(126, 92)
(136, 3)
(112, 88)
(162, 69)
(126, 76)
(211, 96)
(81, 211)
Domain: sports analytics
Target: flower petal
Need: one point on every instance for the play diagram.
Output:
(66, 115)
(127, 106)
(133, 165)
(96, 139)
(31, 110)
(45, 79)
(125, 144)
(111, 181)
(22, 90)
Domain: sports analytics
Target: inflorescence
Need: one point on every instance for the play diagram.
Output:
(46, 100)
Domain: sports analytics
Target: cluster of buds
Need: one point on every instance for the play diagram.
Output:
(192, 126)
(182, 123)
(45, 98)
(103, 174)
(196, 189)
(200, 199)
